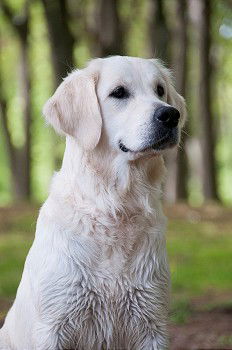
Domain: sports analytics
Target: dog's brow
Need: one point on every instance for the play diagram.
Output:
(120, 82)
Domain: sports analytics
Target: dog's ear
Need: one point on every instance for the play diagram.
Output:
(74, 110)
(173, 98)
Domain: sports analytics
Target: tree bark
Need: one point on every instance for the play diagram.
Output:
(181, 75)
(26, 94)
(110, 28)
(61, 38)
(176, 161)
(205, 106)
(62, 45)
(158, 31)
(106, 33)
(20, 159)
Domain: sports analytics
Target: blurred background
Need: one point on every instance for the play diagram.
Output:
(41, 41)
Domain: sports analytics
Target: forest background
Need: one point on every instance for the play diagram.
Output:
(40, 42)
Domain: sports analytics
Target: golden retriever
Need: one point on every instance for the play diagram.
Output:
(97, 276)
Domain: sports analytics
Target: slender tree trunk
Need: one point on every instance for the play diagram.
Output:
(181, 74)
(20, 159)
(158, 31)
(26, 95)
(205, 104)
(159, 35)
(61, 38)
(176, 162)
(107, 32)
(9, 145)
(62, 46)
(111, 39)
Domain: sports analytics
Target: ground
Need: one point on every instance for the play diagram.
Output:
(199, 245)
(208, 330)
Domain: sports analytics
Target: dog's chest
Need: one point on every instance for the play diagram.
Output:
(111, 280)
(110, 248)
(102, 301)
(97, 314)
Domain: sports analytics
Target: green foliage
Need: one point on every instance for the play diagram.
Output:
(134, 16)
(44, 139)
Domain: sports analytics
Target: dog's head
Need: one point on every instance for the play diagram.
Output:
(130, 102)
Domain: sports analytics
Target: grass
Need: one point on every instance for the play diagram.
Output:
(181, 311)
(200, 261)
(200, 257)
(16, 236)
(199, 253)
(225, 340)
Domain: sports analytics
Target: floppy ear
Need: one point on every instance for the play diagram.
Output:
(74, 110)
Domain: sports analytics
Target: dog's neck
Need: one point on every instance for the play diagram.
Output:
(109, 181)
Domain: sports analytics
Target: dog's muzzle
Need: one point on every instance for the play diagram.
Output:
(167, 116)
(163, 132)
(165, 124)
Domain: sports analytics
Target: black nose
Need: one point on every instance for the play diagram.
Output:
(168, 116)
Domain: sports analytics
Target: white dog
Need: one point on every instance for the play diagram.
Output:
(97, 275)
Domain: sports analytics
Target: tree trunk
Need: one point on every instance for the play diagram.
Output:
(62, 45)
(106, 33)
(61, 38)
(205, 107)
(176, 161)
(26, 95)
(181, 77)
(20, 159)
(158, 31)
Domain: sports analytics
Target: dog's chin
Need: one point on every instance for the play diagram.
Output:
(153, 150)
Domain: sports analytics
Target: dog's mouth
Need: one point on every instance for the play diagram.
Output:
(167, 141)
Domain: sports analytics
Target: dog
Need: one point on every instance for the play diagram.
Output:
(97, 276)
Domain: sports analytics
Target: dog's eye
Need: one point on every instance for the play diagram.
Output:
(120, 92)
(160, 90)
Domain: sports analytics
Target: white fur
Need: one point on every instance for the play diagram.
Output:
(96, 276)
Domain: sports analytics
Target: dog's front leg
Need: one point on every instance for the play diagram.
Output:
(157, 341)
(45, 337)
(4, 342)
(148, 330)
